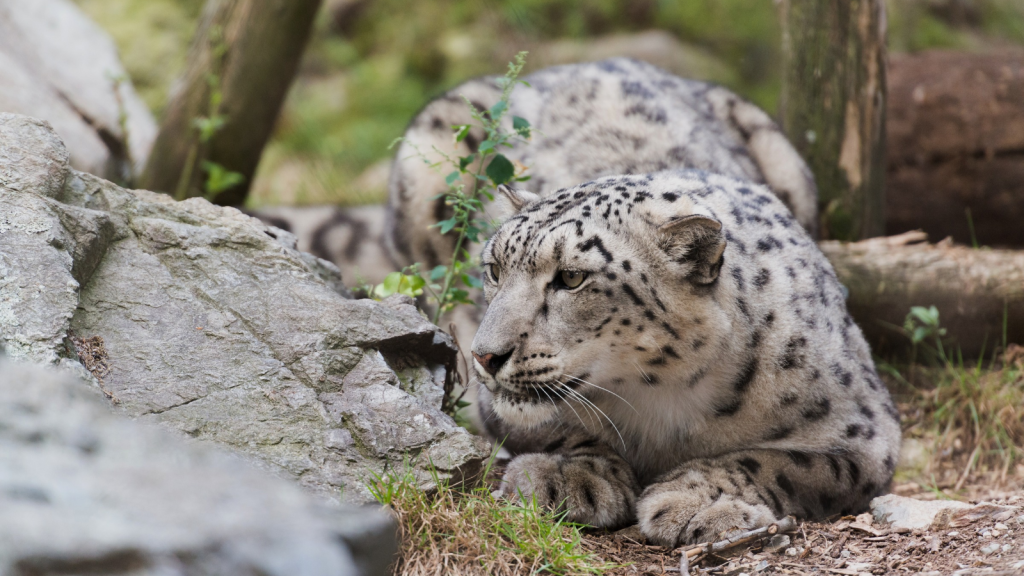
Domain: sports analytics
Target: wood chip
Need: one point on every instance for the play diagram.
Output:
(866, 528)
(839, 545)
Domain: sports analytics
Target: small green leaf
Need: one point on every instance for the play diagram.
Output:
(219, 178)
(452, 178)
(438, 272)
(447, 225)
(500, 170)
(498, 109)
(521, 126)
(390, 285)
(461, 131)
(485, 147)
(472, 281)
(460, 296)
(412, 286)
(466, 161)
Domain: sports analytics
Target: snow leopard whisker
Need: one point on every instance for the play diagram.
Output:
(556, 393)
(544, 389)
(586, 401)
(563, 394)
(604, 390)
(590, 412)
(642, 373)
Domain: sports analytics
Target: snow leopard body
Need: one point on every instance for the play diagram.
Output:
(703, 376)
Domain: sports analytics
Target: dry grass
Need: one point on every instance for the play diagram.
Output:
(970, 417)
(452, 531)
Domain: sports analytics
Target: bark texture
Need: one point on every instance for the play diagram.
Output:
(955, 139)
(974, 290)
(833, 107)
(262, 42)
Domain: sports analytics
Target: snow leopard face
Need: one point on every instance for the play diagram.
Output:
(599, 286)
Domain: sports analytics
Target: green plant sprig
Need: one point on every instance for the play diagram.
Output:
(487, 168)
(218, 178)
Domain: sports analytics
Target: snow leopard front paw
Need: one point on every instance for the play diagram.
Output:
(588, 488)
(676, 517)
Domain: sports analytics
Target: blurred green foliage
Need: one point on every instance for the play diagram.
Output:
(372, 64)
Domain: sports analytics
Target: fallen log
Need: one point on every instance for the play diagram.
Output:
(955, 146)
(979, 292)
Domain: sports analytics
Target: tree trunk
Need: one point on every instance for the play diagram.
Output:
(979, 293)
(248, 52)
(833, 107)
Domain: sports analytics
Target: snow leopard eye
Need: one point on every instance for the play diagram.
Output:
(492, 272)
(571, 278)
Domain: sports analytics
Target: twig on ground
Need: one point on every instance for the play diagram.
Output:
(787, 524)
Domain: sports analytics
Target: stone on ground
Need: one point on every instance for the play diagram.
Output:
(901, 512)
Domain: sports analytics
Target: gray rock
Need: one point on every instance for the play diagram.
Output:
(907, 513)
(58, 65)
(213, 323)
(86, 491)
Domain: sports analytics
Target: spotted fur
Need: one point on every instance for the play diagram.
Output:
(705, 376)
(616, 116)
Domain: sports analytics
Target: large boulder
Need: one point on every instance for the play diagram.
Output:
(209, 321)
(56, 64)
(84, 491)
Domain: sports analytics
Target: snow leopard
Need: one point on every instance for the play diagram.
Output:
(673, 349)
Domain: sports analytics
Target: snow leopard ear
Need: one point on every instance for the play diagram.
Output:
(518, 198)
(696, 240)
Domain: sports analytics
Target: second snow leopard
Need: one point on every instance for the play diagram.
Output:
(616, 116)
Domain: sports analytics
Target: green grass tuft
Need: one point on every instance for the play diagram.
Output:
(456, 531)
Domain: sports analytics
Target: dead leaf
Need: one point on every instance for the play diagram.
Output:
(866, 528)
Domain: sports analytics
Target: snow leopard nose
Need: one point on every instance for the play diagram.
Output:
(492, 362)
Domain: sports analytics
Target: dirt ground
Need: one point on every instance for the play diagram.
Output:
(848, 546)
